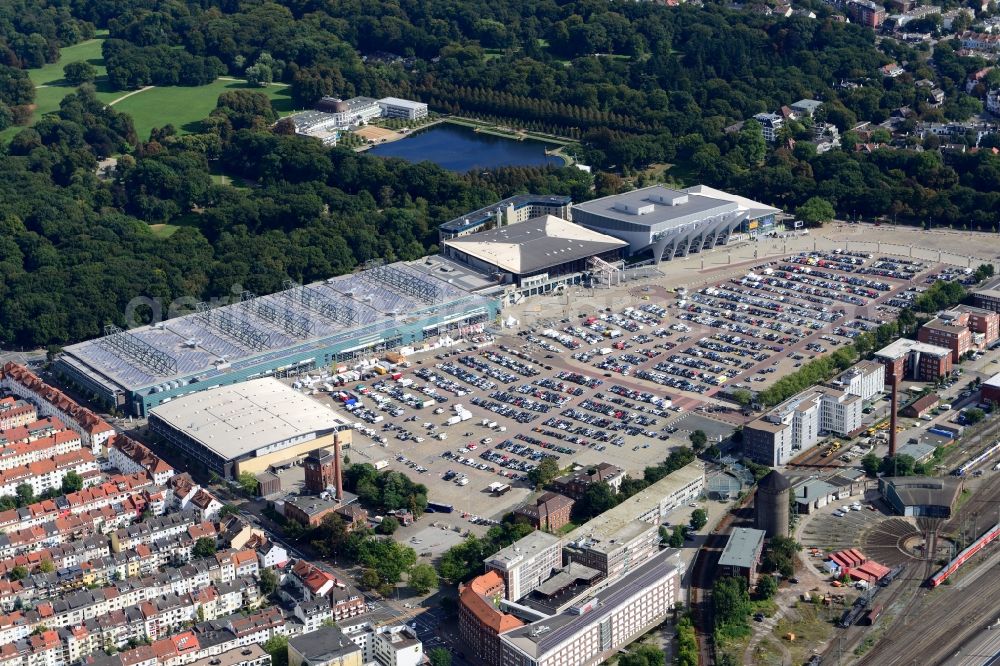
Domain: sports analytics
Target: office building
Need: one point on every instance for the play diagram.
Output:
(666, 223)
(987, 297)
(600, 624)
(394, 107)
(247, 427)
(962, 329)
(480, 619)
(741, 555)
(909, 359)
(527, 562)
(612, 547)
(512, 210)
(865, 380)
(786, 430)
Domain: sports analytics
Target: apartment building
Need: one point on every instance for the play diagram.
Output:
(15, 413)
(866, 13)
(780, 434)
(47, 474)
(771, 124)
(21, 453)
(865, 380)
(20, 381)
(132, 457)
(526, 563)
(385, 646)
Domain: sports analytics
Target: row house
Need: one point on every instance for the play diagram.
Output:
(15, 413)
(50, 401)
(37, 429)
(132, 457)
(152, 529)
(182, 649)
(19, 454)
(45, 475)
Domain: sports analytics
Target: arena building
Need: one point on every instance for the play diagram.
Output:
(248, 427)
(537, 255)
(297, 329)
(670, 223)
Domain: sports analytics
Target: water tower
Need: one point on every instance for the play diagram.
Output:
(771, 504)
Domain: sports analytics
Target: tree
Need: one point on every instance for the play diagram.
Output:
(676, 537)
(743, 397)
(698, 440)
(815, 211)
(544, 473)
(780, 555)
(643, 655)
(731, 602)
(439, 656)
(369, 579)
(766, 587)
(268, 581)
(18, 573)
(228, 510)
(277, 647)
(389, 559)
(80, 72)
(423, 578)
(974, 415)
(898, 465)
(203, 547)
(596, 499)
(72, 482)
(871, 464)
(699, 518)
(46, 566)
(248, 483)
(388, 525)
(259, 75)
(25, 494)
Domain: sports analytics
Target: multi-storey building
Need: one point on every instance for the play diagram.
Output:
(789, 428)
(909, 359)
(962, 329)
(526, 563)
(866, 12)
(576, 483)
(480, 619)
(600, 623)
(385, 646)
(550, 511)
(865, 380)
(15, 413)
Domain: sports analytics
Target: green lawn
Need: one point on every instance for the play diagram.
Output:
(163, 230)
(89, 50)
(184, 106)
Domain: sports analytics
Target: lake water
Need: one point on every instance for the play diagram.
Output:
(459, 148)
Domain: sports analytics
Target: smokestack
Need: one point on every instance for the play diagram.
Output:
(892, 419)
(336, 467)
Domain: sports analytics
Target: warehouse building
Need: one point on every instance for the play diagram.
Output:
(247, 427)
(538, 255)
(668, 223)
(295, 330)
(741, 555)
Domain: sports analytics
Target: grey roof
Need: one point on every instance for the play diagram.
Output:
(774, 482)
(527, 546)
(742, 548)
(924, 491)
(323, 645)
(534, 245)
(695, 206)
(517, 201)
(533, 641)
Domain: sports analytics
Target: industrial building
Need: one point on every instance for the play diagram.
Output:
(297, 329)
(536, 255)
(668, 223)
(247, 427)
(771, 504)
(741, 555)
(909, 359)
(518, 208)
(921, 495)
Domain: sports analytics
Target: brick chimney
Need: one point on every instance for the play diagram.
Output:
(336, 466)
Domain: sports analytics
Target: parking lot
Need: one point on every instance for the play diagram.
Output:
(621, 380)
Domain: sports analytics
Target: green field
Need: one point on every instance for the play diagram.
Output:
(183, 106)
(179, 106)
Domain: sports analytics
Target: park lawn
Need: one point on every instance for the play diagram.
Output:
(52, 73)
(163, 230)
(185, 107)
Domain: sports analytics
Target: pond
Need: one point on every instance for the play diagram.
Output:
(460, 148)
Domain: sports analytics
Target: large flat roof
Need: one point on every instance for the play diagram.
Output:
(617, 519)
(742, 548)
(904, 346)
(534, 245)
(517, 201)
(993, 381)
(653, 209)
(527, 546)
(239, 419)
(539, 638)
(354, 308)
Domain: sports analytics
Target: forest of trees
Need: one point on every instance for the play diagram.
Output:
(637, 83)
